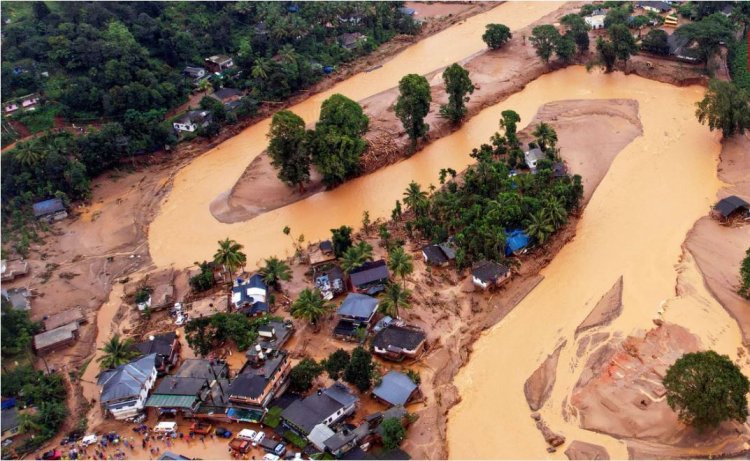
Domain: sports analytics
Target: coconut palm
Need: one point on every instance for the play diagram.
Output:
(414, 197)
(310, 306)
(545, 136)
(400, 263)
(117, 353)
(288, 54)
(539, 226)
(204, 86)
(26, 154)
(275, 271)
(355, 256)
(395, 298)
(261, 69)
(230, 256)
(556, 212)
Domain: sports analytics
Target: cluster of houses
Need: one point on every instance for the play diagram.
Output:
(24, 103)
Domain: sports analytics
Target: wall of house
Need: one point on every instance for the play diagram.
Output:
(184, 127)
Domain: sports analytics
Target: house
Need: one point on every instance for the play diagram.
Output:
(729, 207)
(369, 277)
(166, 347)
(516, 241)
(179, 394)
(50, 210)
(329, 279)
(398, 342)
(271, 338)
(727, 10)
(249, 296)
(226, 95)
(214, 405)
(345, 439)
(355, 312)
(27, 102)
(18, 298)
(680, 48)
(323, 254)
(532, 157)
(192, 120)
(595, 21)
(319, 434)
(68, 316)
(439, 255)
(257, 384)
(327, 406)
(124, 390)
(56, 338)
(395, 388)
(210, 370)
(559, 170)
(656, 7)
(9, 422)
(195, 73)
(350, 40)
(326, 247)
(488, 273)
(9, 270)
(219, 63)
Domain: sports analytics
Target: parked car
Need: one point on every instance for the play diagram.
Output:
(180, 320)
(89, 440)
(258, 438)
(273, 446)
(223, 432)
(201, 428)
(52, 454)
(246, 434)
(240, 445)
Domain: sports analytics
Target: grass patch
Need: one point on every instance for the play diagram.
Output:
(738, 64)
(295, 439)
(41, 119)
(273, 417)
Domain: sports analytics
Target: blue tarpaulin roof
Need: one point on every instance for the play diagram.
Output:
(516, 240)
(46, 207)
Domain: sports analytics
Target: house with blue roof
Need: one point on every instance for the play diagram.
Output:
(50, 210)
(515, 241)
(249, 296)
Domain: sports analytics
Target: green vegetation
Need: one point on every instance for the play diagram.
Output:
(17, 330)
(40, 119)
(310, 306)
(360, 369)
(412, 107)
(298, 441)
(738, 64)
(143, 294)
(393, 433)
(205, 279)
(458, 86)
(336, 363)
(396, 297)
(706, 389)
(341, 240)
(656, 41)
(544, 38)
(620, 46)
(275, 271)
(355, 256)
(230, 256)
(577, 29)
(47, 393)
(708, 33)
(117, 352)
(744, 290)
(272, 418)
(400, 262)
(414, 376)
(303, 374)
(496, 35)
(725, 107)
(337, 143)
(488, 200)
(204, 334)
(288, 148)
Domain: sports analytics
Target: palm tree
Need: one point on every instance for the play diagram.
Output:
(414, 196)
(204, 86)
(26, 154)
(556, 212)
(310, 306)
(261, 69)
(288, 54)
(355, 256)
(117, 353)
(400, 263)
(395, 298)
(275, 271)
(545, 136)
(230, 256)
(539, 227)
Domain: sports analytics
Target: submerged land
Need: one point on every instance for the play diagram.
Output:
(564, 360)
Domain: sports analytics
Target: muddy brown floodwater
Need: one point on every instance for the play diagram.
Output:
(633, 227)
(185, 231)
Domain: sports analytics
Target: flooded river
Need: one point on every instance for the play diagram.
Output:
(185, 231)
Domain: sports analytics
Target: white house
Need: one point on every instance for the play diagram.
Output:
(532, 157)
(595, 21)
(489, 273)
(125, 389)
(191, 121)
(249, 296)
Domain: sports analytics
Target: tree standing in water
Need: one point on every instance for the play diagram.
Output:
(413, 105)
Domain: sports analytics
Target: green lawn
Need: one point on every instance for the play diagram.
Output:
(295, 439)
(273, 417)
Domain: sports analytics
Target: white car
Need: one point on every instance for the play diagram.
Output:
(180, 320)
(270, 457)
(89, 440)
(247, 434)
(258, 438)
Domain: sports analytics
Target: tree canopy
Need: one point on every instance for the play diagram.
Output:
(288, 148)
(496, 35)
(360, 369)
(706, 388)
(458, 86)
(708, 33)
(725, 107)
(412, 106)
(303, 374)
(744, 289)
(544, 38)
(393, 433)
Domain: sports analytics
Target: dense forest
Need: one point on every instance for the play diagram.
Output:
(119, 66)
